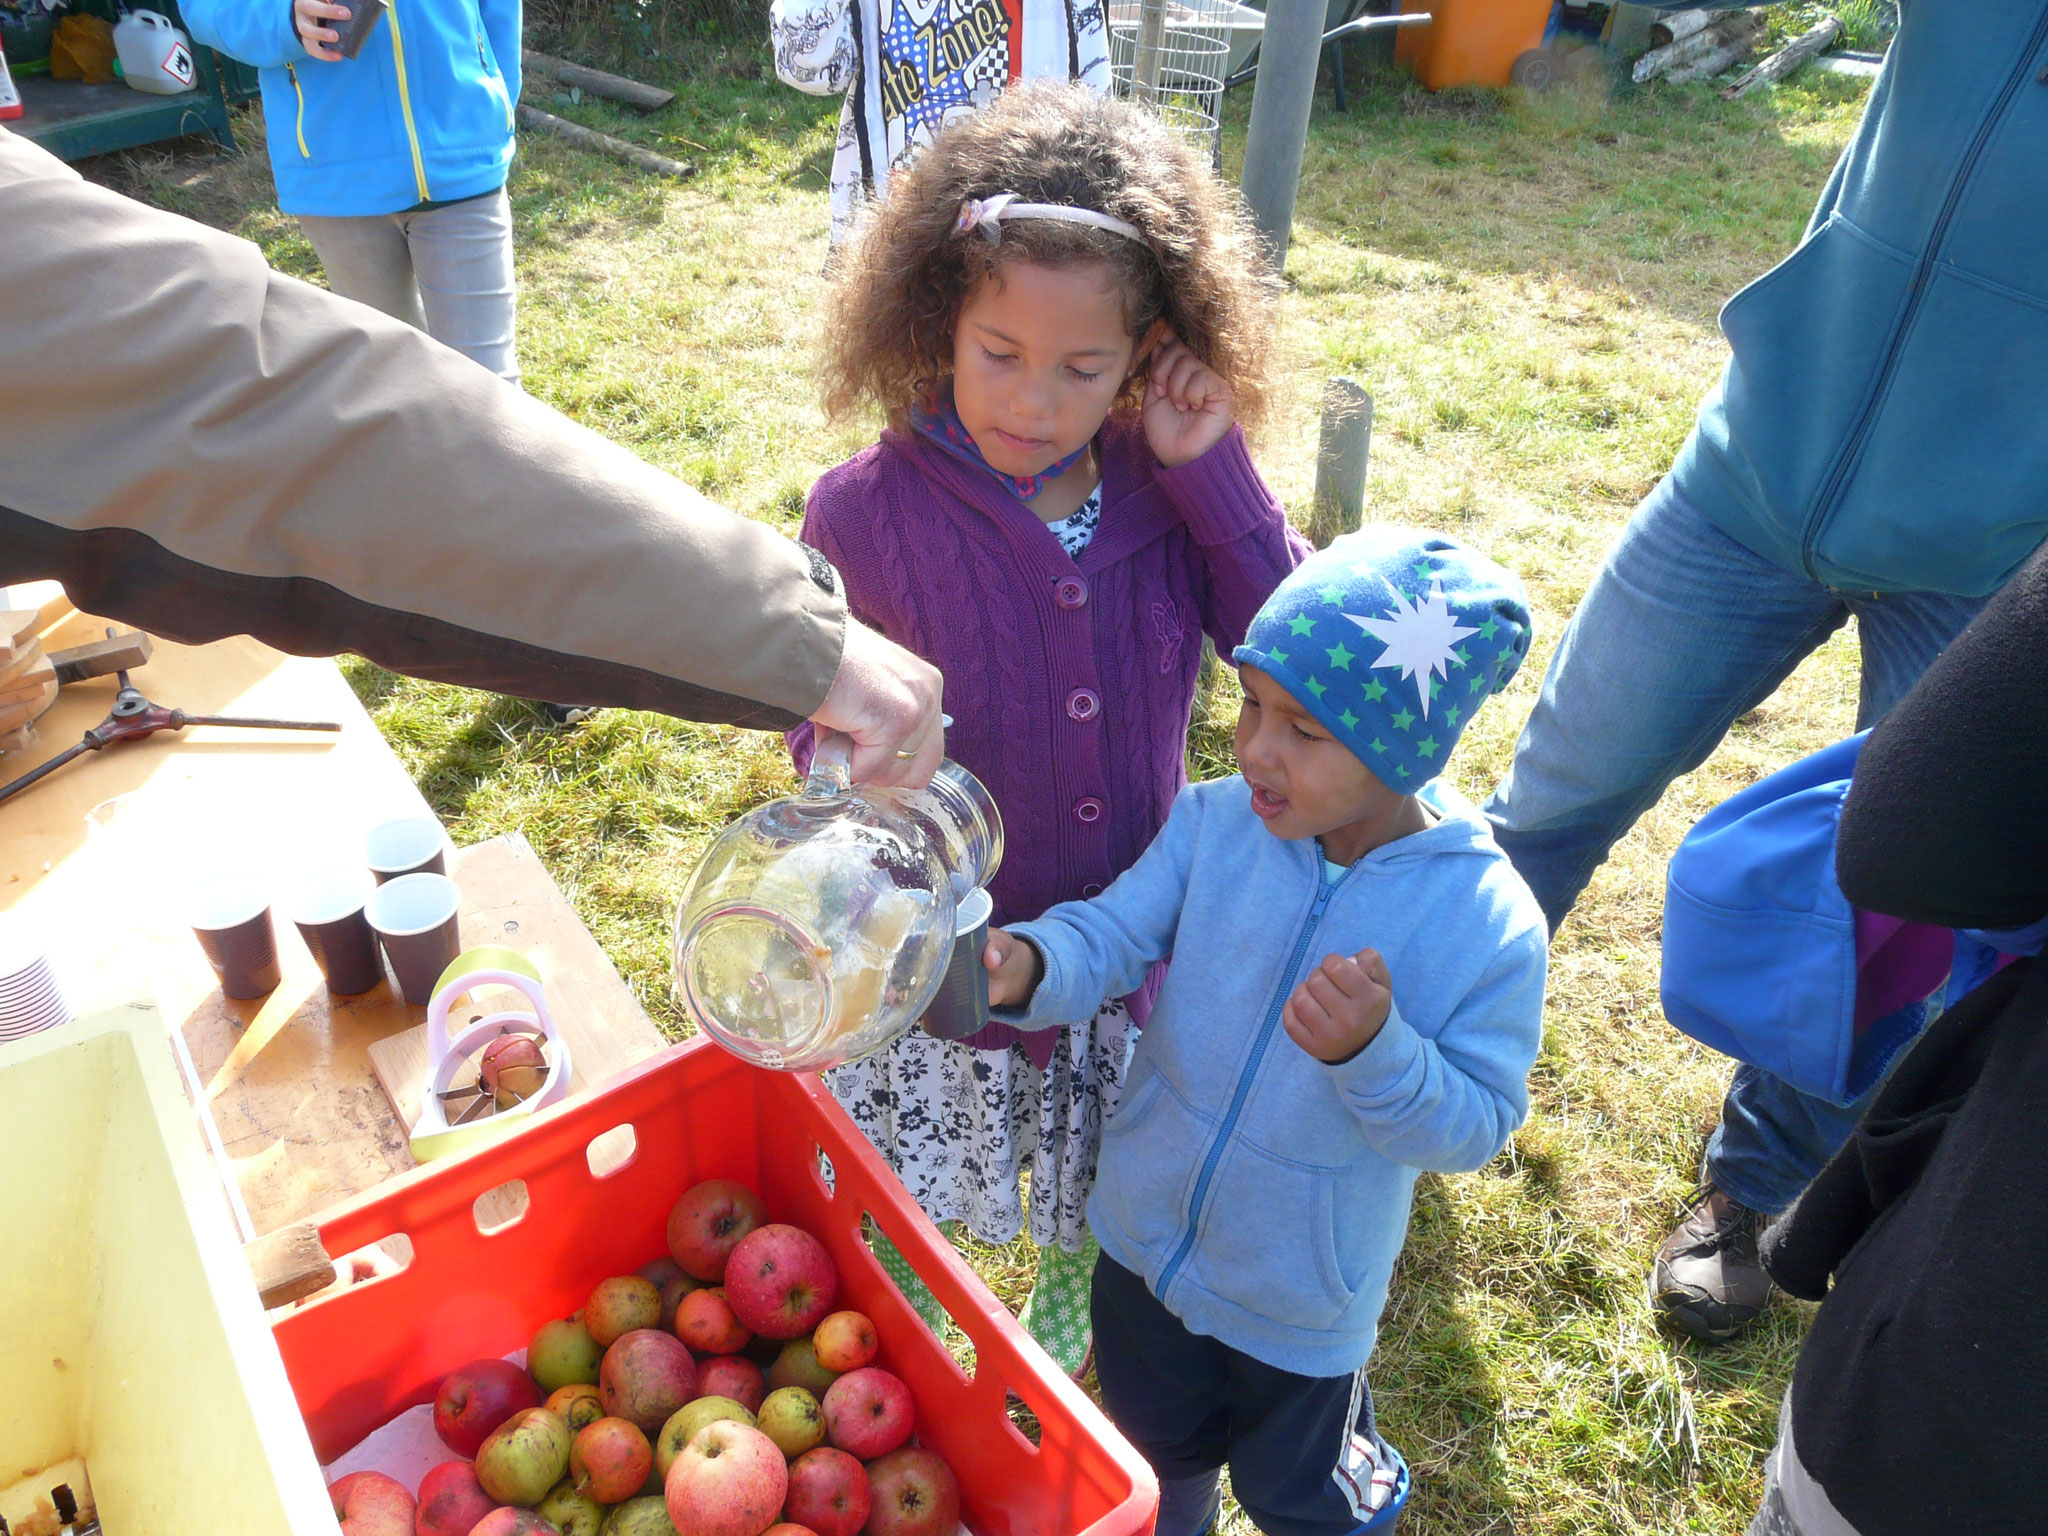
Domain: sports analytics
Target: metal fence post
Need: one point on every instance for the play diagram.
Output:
(1289, 51)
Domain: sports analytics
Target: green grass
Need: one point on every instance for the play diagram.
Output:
(1528, 289)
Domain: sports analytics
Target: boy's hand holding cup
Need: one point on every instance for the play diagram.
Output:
(1339, 1008)
(1015, 969)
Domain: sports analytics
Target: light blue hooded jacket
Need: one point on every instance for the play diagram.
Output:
(1262, 1195)
(422, 115)
(1883, 423)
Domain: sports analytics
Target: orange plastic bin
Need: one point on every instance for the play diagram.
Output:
(1471, 42)
(367, 1353)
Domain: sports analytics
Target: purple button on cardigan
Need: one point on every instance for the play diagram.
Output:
(1084, 704)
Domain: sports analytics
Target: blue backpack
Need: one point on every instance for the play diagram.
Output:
(1765, 959)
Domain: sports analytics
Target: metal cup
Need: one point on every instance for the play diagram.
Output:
(961, 1007)
(231, 919)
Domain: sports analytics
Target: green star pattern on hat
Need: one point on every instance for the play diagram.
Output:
(1391, 616)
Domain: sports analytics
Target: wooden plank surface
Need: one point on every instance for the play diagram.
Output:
(287, 1078)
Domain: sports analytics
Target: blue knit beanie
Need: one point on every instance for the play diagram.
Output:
(1393, 638)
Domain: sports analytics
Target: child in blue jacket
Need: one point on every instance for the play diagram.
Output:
(1356, 995)
(394, 161)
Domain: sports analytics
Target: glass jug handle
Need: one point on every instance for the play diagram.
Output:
(831, 775)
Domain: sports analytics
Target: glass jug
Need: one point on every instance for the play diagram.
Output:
(816, 929)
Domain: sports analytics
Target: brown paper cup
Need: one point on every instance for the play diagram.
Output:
(231, 919)
(415, 917)
(328, 911)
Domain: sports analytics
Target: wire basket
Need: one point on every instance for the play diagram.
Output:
(1173, 56)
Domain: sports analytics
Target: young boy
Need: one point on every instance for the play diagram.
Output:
(1356, 994)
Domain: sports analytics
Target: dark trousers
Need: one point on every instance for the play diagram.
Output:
(1193, 1405)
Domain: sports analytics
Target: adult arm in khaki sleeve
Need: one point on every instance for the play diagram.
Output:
(197, 445)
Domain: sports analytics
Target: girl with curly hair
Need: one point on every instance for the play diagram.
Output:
(1061, 314)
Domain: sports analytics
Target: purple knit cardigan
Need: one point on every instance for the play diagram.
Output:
(1070, 682)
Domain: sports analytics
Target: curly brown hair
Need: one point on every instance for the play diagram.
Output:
(908, 273)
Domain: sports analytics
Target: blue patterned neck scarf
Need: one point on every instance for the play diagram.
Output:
(940, 424)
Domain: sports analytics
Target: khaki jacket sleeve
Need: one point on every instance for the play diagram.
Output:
(195, 444)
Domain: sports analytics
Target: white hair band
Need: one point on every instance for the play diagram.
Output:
(988, 213)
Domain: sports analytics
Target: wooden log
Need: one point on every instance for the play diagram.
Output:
(1341, 457)
(1689, 50)
(1788, 58)
(1673, 25)
(598, 82)
(603, 143)
(1724, 57)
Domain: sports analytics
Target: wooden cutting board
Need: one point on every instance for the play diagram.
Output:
(24, 710)
(18, 630)
(29, 678)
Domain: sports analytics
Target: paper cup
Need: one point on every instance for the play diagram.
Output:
(230, 916)
(415, 917)
(410, 845)
(328, 910)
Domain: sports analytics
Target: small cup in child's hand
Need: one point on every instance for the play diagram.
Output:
(1340, 1007)
(1014, 969)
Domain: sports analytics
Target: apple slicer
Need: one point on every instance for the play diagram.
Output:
(464, 1101)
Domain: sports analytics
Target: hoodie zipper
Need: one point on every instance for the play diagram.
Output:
(419, 168)
(1325, 890)
(300, 127)
(1825, 505)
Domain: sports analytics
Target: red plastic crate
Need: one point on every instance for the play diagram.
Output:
(366, 1354)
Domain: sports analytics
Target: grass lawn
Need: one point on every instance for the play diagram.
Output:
(1528, 290)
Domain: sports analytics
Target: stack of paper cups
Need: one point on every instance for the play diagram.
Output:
(31, 999)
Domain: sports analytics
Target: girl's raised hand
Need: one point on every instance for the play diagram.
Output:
(1187, 404)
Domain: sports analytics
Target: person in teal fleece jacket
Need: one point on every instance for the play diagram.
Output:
(1356, 996)
(1874, 449)
(394, 161)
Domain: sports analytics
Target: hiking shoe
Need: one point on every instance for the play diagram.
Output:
(568, 714)
(1708, 1281)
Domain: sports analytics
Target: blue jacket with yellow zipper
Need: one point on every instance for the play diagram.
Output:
(423, 114)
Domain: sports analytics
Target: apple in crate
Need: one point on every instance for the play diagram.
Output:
(828, 1491)
(729, 1481)
(578, 1403)
(563, 1353)
(733, 1376)
(371, 1504)
(792, 1419)
(708, 1223)
(610, 1460)
(787, 1528)
(619, 1305)
(452, 1501)
(684, 1423)
(845, 1341)
(868, 1412)
(571, 1512)
(646, 1376)
(525, 1457)
(797, 1366)
(705, 1321)
(640, 1517)
(476, 1398)
(513, 1522)
(780, 1281)
(915, 1494)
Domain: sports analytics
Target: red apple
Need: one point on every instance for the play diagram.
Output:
(867, 1412)
(708, 1222)
(659, 1272)
(705, 1322)
(477, 1398)
(513, 1068)
(647, 1376)
(513, 1522)
(845, 1341)
(828, 1491)
(788, 1528)
(780, 1281)
(609, 1460)
(452, 1501)
(729, 1481)
(915, 1494)
(618, 1306)
(371, 1504)
(672, 1294)
(733, 1376)
(683, 1424)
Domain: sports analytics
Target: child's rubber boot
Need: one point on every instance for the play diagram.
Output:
(914, 1290)
(1056, 1315)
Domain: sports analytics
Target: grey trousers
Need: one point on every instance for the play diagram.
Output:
(447, 271)
(1793, 1503)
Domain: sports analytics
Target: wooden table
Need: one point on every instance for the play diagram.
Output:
(288, 1078)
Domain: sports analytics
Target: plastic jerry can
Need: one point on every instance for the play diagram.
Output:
(155, 56)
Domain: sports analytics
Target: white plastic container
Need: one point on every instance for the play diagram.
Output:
(155, 56)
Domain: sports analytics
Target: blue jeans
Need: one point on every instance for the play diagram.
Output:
(1683, 631)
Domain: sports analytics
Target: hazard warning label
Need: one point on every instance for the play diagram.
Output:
(178, 63)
